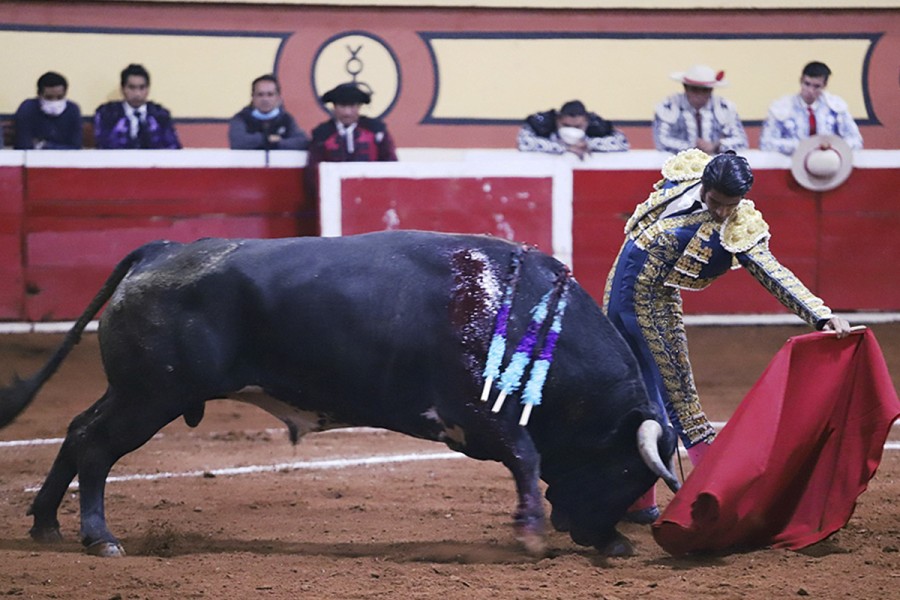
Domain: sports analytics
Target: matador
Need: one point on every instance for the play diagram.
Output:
(695, 226)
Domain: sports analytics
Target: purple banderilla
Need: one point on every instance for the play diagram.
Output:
(523, 357)
(498, 341)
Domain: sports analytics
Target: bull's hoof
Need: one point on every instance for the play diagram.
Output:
(45, 535)
(619, 545)
(106, 549)
(533, 542)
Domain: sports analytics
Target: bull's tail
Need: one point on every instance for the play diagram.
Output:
(15, 397)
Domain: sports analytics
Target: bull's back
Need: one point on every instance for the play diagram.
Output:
(391, 318)
(364, 314)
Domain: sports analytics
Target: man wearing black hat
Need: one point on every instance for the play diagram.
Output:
(347, 136)
(570, 129)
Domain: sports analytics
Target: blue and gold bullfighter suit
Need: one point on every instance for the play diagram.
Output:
(672, 242)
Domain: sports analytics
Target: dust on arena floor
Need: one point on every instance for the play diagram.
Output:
(232, 510)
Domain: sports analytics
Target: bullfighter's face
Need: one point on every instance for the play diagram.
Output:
(719, 205)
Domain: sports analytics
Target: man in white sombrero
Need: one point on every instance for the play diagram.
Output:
(695, 118)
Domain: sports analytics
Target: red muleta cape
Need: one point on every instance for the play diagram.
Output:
(788, 467)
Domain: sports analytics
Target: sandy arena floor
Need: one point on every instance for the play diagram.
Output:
(437, 528)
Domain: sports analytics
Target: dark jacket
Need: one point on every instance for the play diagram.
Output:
(111, 128)
(36, 129)
(371, 142)
(544, 124)
(245, 132)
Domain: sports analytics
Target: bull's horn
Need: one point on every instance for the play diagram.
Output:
(648, 435)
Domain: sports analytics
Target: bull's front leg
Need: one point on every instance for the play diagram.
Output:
(524, 462)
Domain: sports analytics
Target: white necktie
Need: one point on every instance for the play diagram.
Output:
(135, 117)
(347, 132)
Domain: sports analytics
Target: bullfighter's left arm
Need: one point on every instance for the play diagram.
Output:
(746, 235)
(784, 285)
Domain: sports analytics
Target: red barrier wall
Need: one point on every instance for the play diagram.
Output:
(11, 213)
(79, 221)
(463, 205)
(62, 228)
(815, 234)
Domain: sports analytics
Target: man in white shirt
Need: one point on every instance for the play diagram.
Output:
(811, 112)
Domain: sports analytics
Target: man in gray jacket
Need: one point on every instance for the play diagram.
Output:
(264, 124)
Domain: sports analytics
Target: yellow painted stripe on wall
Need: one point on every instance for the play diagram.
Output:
(194, 76)
(624, 79)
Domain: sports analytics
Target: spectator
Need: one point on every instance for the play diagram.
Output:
(265, 124)
(694, 227)
(134, 122)
(696, 119)
(49, 121)
(811, 112)
(571, 129)
(347, 136)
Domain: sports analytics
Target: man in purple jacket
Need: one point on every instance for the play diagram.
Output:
(134, 122)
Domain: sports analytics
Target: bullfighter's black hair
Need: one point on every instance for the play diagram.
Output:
(729, 174)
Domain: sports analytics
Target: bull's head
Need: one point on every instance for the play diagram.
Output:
(592, 493)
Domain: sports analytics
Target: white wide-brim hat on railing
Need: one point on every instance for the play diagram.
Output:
(822, 162)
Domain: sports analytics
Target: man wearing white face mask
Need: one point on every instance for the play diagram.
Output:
(49, 121)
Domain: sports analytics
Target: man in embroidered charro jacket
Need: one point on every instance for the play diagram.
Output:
(811, 112)
(696, 118)
(693, 228)
(541, 132)
(347, 136)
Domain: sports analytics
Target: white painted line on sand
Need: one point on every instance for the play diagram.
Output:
(335, 463)
(36, 442)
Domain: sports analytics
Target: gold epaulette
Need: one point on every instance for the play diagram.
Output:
(683, 169)
(686, 165)
(744, 228)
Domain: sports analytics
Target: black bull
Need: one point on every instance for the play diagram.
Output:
(388, 330)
